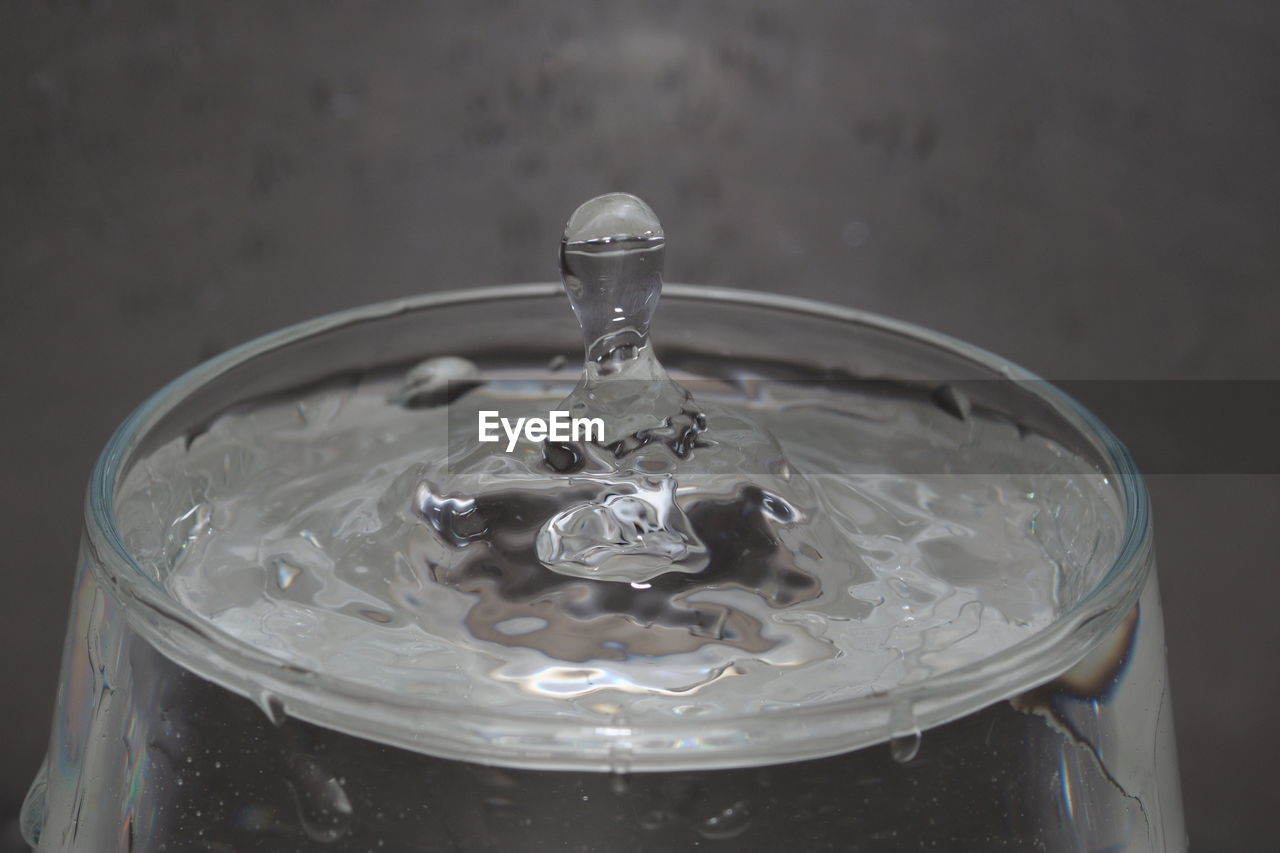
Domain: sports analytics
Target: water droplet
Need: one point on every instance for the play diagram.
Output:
(285, 572)
(273, 707)
(953, 401)
(905, 747)
(437, 381)
(655, 819)
(34, 807)
(726, 824)
(904, 740)
(323, 809)
(611, 259)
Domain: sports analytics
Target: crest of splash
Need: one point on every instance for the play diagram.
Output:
(662, 451)
(622, 533)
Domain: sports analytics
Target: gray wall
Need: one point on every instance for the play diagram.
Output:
(1089, 189)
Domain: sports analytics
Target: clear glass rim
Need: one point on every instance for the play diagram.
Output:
(456, 730)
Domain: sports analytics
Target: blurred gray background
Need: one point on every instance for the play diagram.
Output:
(1088, 189)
